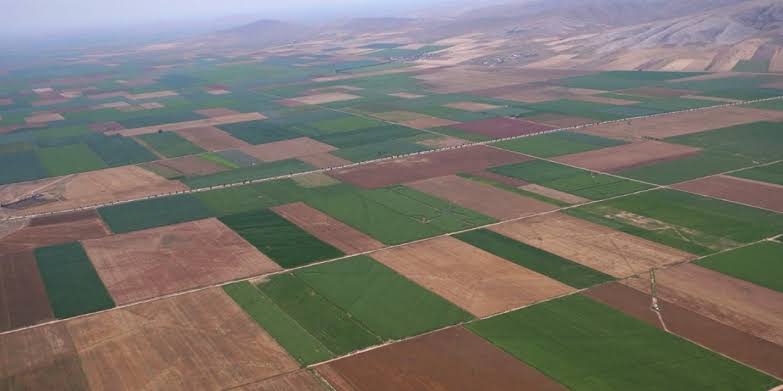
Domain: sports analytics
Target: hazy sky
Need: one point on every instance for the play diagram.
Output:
(40, 16)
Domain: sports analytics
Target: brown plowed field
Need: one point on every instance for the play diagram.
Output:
(506, 180)
(428, 123)
(442, 142)
(23, 300)
(41, 358)
(473, 279)
(554, 194)
(201, 340)
(324, 160)
(595, 246)
(326, 228)
(192, 165)
(216, 112)
(159, 261)
(452, 359)
(297, 381)
(112, 184)
(287, 149)
(760, 194)
(430, 165)
(718, 337)
(502, 127)
(485, 199)
(51, 230)
(736, 303)
(684, 123)
(627, 156)
(212, 138)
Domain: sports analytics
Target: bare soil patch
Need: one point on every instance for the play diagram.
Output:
(627, 156)
(429, 165)
(329, 97)
(324, 160)
(159, 261)
(192, 165)
(553, 194)
(287, 149)
(595, 246)
(217, 112)
(405, 95)
(743, 347)
(428, 122)
(684, 123)
(451, 359)
(472, 106)
(328, 229)
(23, 299)
(48, 231)
(485, 199)
(740, 304)
(212, 138)
(89, 188)
(502, 127)
(201, 340)
(302, 380)
(104, 127)
(473, 279)
(200, 123)
(41, 358)
(760, 194)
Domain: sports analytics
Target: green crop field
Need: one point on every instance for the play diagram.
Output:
(379, 150)
(772, 173)
(345, 124)
(696, 224)
(597, 111)
(557, 144)
(71, 282)
(570, 180)
(169, 115)
(170, 144)
(235, 200)
(550, 265)
(156, 212)
(362, 137)
(620, 80)
(118, 151)
(69, 159)
(586, 345)
(395, 215)
(387, 303)
(330, 325)
(259, 171)
(294, 338)
(703, 164)
(759, 141)
(27, 167)
(259, 132)
(279, 239)
(761, 264)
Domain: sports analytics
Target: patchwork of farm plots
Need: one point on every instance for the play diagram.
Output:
(258, 225)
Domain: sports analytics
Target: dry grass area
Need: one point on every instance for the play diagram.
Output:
(480, 282)
(604, 249)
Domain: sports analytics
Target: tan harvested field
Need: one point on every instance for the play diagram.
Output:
(430, 165)
(103, 127)
(475, 78)
(159, 261)
(454, 359)
(479, 282)
(151, 105)
(329, 97)
(113, 105)
(43, 117)
(684, 123)
(553, 194)
(314, 180)
(406, 95)
(94, 187)
(198, 341)
(51, 230)
(605, 100)
(506, 180)
(192, 165)
(324, 160)
(627, 156)
(443, 142)
(302, 380)
(287, 149)
(471, 106)
(327, 228)
(428, 122)
(41, 358)
(741, 346)
(151, 95)
(746, 191)
(536, 93)
(199, 123)
(216, 112)
(485, 199)
(212, 138)
(712, 98)
(740, 304)
(658, 92)
(604, 249)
